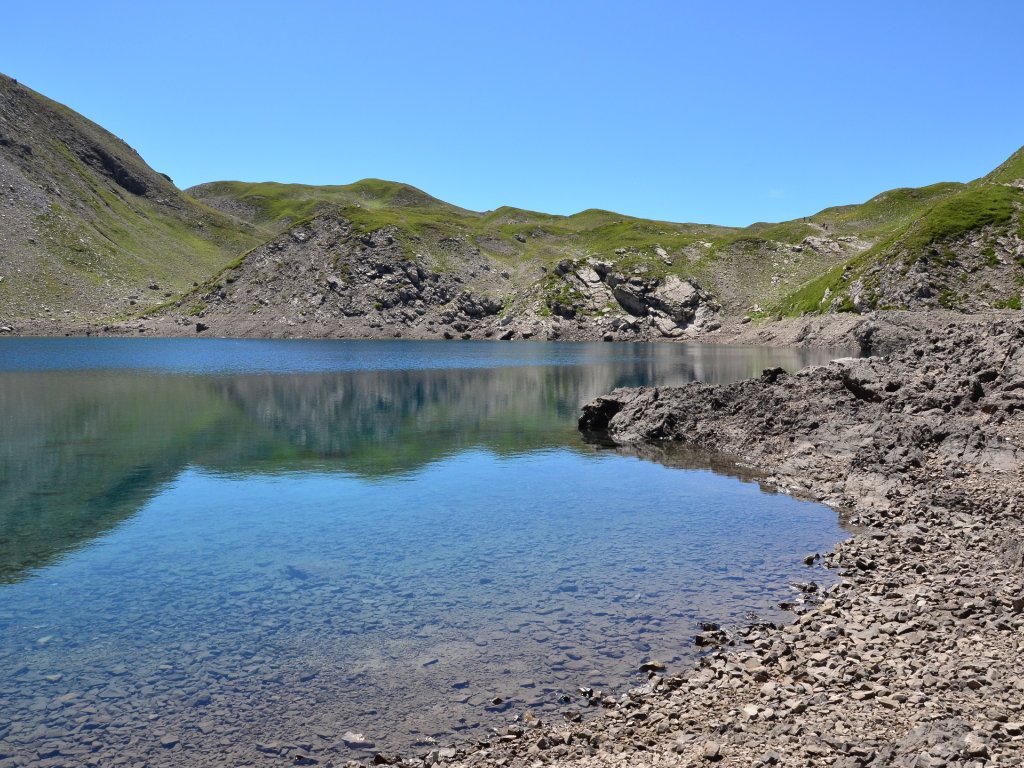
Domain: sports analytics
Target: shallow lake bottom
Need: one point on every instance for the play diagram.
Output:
(246, 566)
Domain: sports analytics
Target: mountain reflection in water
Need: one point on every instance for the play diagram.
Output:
(210, 545)
(83, 447)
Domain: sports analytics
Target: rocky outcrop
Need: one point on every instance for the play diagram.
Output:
(951, 390)
(975, 272)
(324, 278)
(670, 306)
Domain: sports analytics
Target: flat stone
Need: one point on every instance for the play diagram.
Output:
(356, 740)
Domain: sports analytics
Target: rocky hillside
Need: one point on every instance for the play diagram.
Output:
(512, 273)
(963, 249)
(325, 277)
(378, 258)
(87, 229)
(91, 234)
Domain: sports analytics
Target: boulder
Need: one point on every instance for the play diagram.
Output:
(666, 326)
(477, 306)
(678, 298)
(630, 298)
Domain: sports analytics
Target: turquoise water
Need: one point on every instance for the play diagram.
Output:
(235, 552)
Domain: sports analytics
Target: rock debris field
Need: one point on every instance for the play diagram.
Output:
(914, 658)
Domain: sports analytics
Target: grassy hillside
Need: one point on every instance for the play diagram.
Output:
(1010, 171)
(784, 268)
(960, 246)
(530, 244)
(838, 259)
(90, 232)
(884, 213)
(88, 226)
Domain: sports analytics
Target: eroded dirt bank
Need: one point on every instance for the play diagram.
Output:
(914, 659)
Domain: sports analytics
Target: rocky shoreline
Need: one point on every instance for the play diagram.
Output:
(874, 333)
(914, 659)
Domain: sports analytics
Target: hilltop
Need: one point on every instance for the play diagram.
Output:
(93, 237)
(963, 250)
(383, 258)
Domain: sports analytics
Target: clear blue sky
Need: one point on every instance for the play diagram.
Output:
(715, 112)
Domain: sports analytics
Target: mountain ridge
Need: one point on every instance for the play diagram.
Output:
(93, 235)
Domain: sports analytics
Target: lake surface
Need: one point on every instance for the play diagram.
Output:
(234, 552)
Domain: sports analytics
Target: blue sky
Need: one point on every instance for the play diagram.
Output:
(721, 112)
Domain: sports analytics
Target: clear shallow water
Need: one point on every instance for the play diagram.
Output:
(210, 546)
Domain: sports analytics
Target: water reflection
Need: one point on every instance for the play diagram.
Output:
(82, 449)
(206, 556)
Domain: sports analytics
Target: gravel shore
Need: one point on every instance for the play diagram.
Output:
(915, 657)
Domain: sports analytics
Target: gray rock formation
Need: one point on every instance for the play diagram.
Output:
(671, 307)
(323, 279)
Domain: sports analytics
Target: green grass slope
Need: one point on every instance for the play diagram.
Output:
(959, 246)
(787, 265)
(1010, 171)
(89, 231)
(87, 226)
(530, 244)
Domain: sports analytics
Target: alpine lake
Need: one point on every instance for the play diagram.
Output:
(233, 552)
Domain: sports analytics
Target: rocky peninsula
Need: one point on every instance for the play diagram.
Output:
(914, 658)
